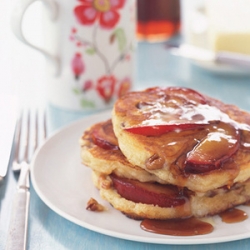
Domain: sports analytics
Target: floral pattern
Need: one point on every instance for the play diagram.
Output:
(103, 10)
(104, 15)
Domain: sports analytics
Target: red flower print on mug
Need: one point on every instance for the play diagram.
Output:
(103, 10)
(77, 65)
(105, 87)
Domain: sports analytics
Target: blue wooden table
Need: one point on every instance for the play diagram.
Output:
(155, 67)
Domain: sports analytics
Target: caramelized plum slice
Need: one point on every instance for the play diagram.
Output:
(158, 130)
(217, 147)
(148, 193)
(103, 136)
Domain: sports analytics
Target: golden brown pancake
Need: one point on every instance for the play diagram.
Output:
(198, 127)
(100, 152)
(109, 160)
(197, 204)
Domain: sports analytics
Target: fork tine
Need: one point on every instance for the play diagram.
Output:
(36, 132)
(45, 132)
(42, 130)
(18, 136)
(17, 142)
(27, 138)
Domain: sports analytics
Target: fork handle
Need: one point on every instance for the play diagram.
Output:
(17, 236)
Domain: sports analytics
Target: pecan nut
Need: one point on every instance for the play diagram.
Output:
(93, 205)
(155, 162)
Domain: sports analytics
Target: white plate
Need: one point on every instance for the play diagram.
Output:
(64, 184)
(221, 68)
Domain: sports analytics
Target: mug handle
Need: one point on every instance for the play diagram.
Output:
(16, 25)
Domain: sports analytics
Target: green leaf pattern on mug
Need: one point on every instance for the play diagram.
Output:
(90, 51)
(76, 91)
(86, 103)
(121, 38)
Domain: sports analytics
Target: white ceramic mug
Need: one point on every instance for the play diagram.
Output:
(89, 46)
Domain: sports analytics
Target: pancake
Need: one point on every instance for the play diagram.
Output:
(196, 204)
(140, 194)
(107, 157)
(183, 137)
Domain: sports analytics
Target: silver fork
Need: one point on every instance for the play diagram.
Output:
(18, 229)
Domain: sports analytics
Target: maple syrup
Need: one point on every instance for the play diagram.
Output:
(190, 226)
(233, 215)
(177, 227)
(157, 19)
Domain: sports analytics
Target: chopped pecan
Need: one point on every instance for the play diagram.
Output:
(154, 162)
(94, 206)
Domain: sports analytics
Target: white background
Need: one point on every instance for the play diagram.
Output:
(21, 68)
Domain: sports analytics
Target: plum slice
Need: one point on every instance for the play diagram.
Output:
(210, 153)
(103, 136)
(149, 193)
(157, 130)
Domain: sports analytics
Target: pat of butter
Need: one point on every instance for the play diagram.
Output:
(228, 25)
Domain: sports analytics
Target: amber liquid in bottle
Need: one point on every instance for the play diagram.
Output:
(158, 20)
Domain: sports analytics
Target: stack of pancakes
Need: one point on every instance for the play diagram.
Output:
(170, 153)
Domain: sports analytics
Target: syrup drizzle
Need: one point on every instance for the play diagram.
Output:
(233, 215)
(190, 226)
(177, 227)
(182, 105)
